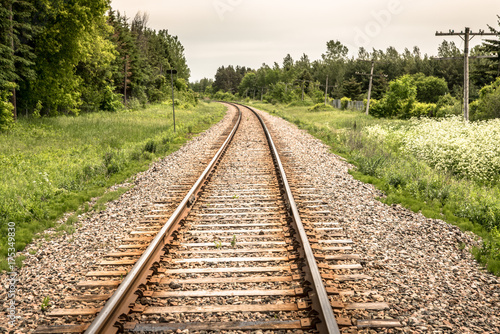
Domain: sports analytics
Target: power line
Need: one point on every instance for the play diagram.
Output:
(466, 36)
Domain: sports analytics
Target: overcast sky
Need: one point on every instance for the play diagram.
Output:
(251, 32)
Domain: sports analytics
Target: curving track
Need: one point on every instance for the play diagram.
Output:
(234, 255)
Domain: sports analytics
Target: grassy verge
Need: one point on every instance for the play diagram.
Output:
(471, 205)
(54, 165)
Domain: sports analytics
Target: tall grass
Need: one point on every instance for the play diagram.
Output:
(53, 165)
(398, 157)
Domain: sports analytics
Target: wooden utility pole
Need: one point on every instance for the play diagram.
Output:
(370, 89)
(370, 85)
(466, 36)
(326, 90)
(172, 72)
(125, 82)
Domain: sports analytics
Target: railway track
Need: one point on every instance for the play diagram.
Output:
(238, 253)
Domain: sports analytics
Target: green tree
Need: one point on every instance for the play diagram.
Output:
(66, 38)
(288, 70)
(352, 88)
(279, 92)
(488, 104)
(201, 85)
(127, 67)
(380, 86)
(248, 84)
(174, 54)
(96, 71)
(335, 51)
(429, 88)
(16, 54)
(485, 71)
(229, 78)
(451, 70)
(399, 100)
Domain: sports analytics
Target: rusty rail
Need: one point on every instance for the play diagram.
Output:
(318, 294)
(125, 295)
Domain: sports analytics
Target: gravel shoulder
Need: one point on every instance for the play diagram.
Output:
(417, 264)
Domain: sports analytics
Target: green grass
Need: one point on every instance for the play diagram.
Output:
(54, 165)
(405, 179)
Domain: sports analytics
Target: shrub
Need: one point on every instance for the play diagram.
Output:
(134, 104)
(376, 108)
(317, 96)
(399, 99)
(320, 107)
(6, 109)
(429, 89)
(150, 146)
(223, 96)
(344, 103)
(110, 100)
(488, 104)
(423, 109)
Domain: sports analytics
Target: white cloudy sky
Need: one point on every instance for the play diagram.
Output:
(252, 32)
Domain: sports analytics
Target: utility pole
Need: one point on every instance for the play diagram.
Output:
(370, 89)
(172, 72)
(125, 82)
(466, 36)
(370, 85)
(326, 90)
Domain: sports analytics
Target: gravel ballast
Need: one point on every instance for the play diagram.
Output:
(417, 264)
(431, 284)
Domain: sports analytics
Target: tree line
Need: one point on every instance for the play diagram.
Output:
(67, 57)
(422, 79)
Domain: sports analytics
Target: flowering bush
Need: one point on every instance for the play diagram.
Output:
(469, 150)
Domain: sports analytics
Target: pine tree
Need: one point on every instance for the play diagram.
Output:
(493, 45)
(352, 88)
(16, 55)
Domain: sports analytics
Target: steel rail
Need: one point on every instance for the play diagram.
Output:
(120, 301)
(318, 295)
